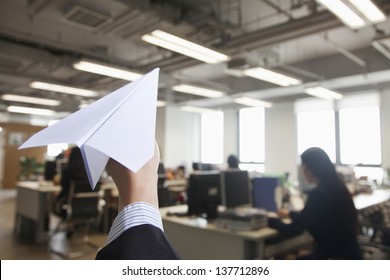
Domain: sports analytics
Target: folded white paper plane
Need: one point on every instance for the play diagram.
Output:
(120, 125)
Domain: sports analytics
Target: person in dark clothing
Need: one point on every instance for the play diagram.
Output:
(329, 214)
(232, 162)
(74, 171)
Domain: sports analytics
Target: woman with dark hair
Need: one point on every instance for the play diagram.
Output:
(74, 171)
(329, 214)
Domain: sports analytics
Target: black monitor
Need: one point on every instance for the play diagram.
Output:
(203, 194)
(199, 166)
(50, 170)
(235, 189)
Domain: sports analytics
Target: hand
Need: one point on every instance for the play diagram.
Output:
(136, 186)
(283, 213)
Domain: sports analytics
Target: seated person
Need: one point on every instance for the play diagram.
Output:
(329, 214)
(74, 170)
(232, 162)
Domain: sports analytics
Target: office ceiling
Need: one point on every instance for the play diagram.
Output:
(40, 39)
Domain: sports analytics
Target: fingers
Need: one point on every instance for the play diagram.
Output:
(136, 186)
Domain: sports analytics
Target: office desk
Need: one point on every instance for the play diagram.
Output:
(33, 206)
(195, 238)
(365, 200)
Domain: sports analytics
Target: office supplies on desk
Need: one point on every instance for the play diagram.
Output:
(242, 219)
(120, 125)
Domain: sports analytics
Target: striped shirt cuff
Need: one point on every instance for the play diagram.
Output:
(134, 214)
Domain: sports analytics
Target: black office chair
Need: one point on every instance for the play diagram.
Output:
(374, 235)
(83, 208)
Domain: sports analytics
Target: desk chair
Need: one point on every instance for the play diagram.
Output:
(82, 208)
(374, 235)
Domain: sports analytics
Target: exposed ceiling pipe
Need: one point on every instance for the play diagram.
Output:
(28, 40)
(346, 53)
(277, 8)
(35, 7)
(354, 81)
(296, 28)
(279, 33)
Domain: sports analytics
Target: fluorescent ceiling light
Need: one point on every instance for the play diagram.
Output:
(344, 13)
(105, 70)
(247, 101)
(271, 76)
(28, 99)
(323, 93)
(31, 111)
(239, 73)
(179, 45)
(369, 10)
(196, 109)
(63, 89)
(206, 92)
(161, 103)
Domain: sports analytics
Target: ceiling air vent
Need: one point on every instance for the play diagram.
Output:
(87, 18)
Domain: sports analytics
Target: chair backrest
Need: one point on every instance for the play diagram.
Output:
(83, 202)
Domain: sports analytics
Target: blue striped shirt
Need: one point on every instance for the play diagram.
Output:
(134, 214)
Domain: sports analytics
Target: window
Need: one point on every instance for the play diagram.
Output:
(316, 126)
(317, 129)
(357, 142)
(211, 141)
(360, 141)
(252, 139)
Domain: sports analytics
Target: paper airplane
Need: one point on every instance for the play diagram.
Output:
(120, 126)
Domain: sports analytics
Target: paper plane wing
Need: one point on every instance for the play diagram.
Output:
(120, 125)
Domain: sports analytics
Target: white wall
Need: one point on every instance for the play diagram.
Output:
(230, 133)
(385, 128)
(181, 145)
(160, 131)
(280, 140)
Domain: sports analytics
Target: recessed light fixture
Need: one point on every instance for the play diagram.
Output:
(247, 101)
(354, 13)
(30, 111)
(324, 93)
(106, 70)
(29, 99)
(206, 92)
(369, 10)
(185, 47)
(161, 103)
(271, 76)
(63, 89)
(196, 109)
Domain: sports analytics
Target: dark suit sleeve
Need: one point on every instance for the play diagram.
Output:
(144, 242)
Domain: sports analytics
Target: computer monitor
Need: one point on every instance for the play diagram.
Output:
(203, 194)
(199, 166)
(267, 193)
(235, 190)
(50, 170)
